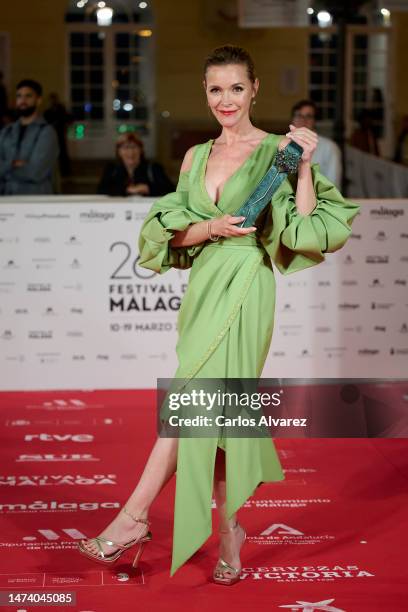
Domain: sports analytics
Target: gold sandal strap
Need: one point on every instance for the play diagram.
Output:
(108, 542)
(229, 567)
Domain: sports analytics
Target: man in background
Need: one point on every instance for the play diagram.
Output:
(3, 101)
(28, 147)
(327, 153)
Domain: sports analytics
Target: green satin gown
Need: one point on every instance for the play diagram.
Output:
(226, 317)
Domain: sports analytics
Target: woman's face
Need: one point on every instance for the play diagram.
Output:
(130, 153)
(229, 93)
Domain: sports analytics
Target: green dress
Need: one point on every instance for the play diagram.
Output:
(226, 317)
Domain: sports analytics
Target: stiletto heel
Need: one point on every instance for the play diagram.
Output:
(101, 557)
(223, 568)
(138, 555)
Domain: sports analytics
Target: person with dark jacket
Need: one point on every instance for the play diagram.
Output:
(28, 147)
(132, 173)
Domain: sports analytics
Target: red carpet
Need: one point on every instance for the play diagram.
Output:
(332, 536)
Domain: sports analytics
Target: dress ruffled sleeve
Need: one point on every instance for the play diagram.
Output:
(168, 214)
(295, 241)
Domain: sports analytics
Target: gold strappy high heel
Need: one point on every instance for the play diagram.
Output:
(224, 573)
(102, 557)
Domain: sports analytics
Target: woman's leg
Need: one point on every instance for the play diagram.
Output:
(230, 541)
(160, 466)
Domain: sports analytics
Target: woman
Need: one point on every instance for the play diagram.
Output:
(226, 317)
(132, 174)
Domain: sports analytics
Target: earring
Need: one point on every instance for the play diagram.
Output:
(253, 101)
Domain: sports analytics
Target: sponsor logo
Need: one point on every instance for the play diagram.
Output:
(305, 573)
(73, 241)
(129, 356)
(381, 235)
(9, 239)
(287, 308)
(39, 287)
(11, 265)
(76, 310)
(334, 351)
(398, 351)
(7, 334)
(377, 259)
(286, 503)
(381, 328)
(386, 212)
(291, 330)
(348, 306)
(292, 283)
(40, 334)
(321, 306)
(75, 265)
(6, 287)
(283, 535)
(355, 328)
(64, 479)
(51, 535)
(18, 358)
(63, 404)
(44, 263)
(5, 216)
(49, 312)
(63, 458)
(44, 437)
(96, 215)
(381, 305)
(309, 606)
(46, 216)
(55, 506)
(42, 239)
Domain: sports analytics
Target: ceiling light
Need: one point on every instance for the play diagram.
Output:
(104, 16)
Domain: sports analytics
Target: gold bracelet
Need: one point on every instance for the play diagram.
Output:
(210, 235)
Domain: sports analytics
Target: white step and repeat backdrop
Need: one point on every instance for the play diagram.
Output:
(76, 310)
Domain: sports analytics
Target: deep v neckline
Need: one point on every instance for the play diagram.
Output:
(233, 175)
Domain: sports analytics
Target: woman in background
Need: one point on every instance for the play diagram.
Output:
(131, 173)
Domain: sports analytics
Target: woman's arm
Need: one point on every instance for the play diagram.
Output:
(305, 193)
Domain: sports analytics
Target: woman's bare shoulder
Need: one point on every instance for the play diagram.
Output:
(189, 156)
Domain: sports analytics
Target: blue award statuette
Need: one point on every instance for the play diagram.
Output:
(286, 161)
